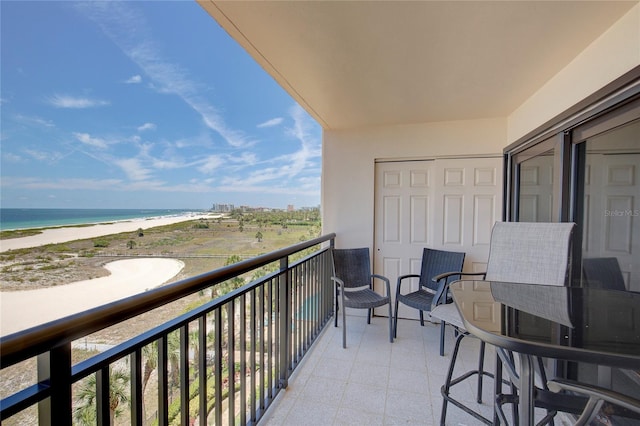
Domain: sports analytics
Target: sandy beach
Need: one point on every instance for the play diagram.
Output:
(64, 234)
(128, 277)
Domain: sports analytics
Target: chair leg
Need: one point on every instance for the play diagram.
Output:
(369, 316)
(480, 371)
(390, 323)
(421, 318)
(450, 382)
(447, 384)
(336, 313)
(395, 320)
(344, 328)
(442, 324)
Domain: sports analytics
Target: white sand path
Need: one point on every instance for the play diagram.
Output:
(65, 234)
(20, 310)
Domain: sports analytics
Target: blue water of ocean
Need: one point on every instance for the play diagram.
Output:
(16, 218)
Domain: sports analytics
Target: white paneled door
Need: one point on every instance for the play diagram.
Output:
(446, 204)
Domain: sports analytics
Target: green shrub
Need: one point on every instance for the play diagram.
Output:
(101, 243)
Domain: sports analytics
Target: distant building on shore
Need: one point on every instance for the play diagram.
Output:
(229, 208)
(222, 208)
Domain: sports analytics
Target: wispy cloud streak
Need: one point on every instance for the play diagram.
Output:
(271, 123)
(73, 102)
(126, 27)
(285, 168)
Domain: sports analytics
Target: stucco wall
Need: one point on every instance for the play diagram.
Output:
(349, 155)
(349, 164)
(614, 53)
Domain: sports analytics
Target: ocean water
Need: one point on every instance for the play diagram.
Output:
(16, 218)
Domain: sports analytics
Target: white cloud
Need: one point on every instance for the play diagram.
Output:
(133, 168)
(43, 155)
(12, 158)
(134, 79)
(210, 164)
(248, 158)
(66, 101)
(86, 139)
(271, 123)
(147, 126)
(167, 164)
(284, 170)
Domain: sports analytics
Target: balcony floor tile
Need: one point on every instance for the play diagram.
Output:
(375, 382)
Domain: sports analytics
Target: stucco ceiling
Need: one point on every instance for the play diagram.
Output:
(371, 63)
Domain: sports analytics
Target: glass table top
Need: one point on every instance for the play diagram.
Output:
(591, 325)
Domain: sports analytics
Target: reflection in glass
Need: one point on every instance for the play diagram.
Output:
(611, 210)
(535, 193)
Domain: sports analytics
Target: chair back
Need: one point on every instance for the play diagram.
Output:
(530, 253)
(352, 266)
(436, 262)
(603, 272)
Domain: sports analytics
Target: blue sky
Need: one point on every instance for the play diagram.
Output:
(144, 105)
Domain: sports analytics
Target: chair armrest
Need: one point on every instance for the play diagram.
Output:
(402, 277)
(386, 281)
(446, 275)
(596, 394)
(338, 281)
(443, 287)
(484, 274)
(340, 285)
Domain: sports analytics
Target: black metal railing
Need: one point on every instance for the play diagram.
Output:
(220, 363)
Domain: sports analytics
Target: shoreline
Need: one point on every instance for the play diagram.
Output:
(66, 233)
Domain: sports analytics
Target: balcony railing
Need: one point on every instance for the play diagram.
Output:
(223, 362)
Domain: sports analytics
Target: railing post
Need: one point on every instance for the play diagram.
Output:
(102, 396)
(137, 398)
(184, 374)
(163, 381)
(284, 304)
(54, 367)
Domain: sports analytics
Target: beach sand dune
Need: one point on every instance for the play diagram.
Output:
(65, 234)
(24, 309)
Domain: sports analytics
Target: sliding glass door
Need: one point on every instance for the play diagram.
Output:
(588, 172)
(607, 206)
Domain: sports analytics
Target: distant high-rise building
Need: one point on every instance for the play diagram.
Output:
(222, 208)
(290, 208)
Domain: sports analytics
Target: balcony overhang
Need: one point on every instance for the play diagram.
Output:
(366, 64)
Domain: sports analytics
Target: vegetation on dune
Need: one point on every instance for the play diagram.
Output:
(202, 244)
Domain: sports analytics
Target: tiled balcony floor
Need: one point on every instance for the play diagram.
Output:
(374, 382)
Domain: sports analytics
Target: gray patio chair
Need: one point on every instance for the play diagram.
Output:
(438, 269)
(603, 272)
(354, 286)
(519, 252)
